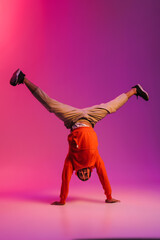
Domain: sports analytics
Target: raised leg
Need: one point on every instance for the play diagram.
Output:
(131, 92)
(31, 86)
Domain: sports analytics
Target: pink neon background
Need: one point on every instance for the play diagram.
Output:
(81, 53)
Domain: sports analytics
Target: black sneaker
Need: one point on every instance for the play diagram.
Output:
(17, 77)
(141, 92)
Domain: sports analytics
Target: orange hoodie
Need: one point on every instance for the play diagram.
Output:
(83, 153)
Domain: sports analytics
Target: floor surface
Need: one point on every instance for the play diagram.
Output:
(30, 215)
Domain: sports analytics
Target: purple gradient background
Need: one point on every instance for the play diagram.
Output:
(81, 53)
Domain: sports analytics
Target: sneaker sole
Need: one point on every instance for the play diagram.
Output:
(143, 91)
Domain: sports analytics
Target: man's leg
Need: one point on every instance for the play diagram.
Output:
(138, 91)
(131, 92)
(31, 86)
(98, 112)
(66, 113)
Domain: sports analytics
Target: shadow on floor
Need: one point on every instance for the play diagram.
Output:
(43, 197)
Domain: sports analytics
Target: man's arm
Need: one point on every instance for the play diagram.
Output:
(102, 174)
(66, 177)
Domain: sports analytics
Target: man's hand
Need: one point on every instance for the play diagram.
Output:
(57, 203)
(112, 200)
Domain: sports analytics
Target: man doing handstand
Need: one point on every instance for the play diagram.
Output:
(83, 153)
